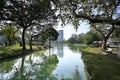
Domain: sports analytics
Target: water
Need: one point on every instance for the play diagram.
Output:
(59, 63)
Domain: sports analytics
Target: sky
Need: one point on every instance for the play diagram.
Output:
(69, 30)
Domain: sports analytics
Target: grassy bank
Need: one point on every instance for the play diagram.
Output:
(99, 66)
(14, 51)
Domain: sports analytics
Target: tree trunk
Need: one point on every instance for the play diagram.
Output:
(22, 67)
(23, 39)
(31, 43)
(105, 37)
(104, 43)
(9, 41)
(17, 39)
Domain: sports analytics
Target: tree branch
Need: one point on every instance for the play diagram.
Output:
(112, 29)
(99, 31)
(97, 20)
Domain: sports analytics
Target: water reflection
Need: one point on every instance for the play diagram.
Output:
(60, 50)
(67, 63)
(30, 68)
(60, 64)
(6, 66)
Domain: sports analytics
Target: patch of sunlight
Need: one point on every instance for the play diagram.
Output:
(93, 50)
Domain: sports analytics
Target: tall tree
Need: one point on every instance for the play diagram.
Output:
(92, 11)
(27, 12)
(105, 30)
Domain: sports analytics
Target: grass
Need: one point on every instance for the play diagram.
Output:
(14, 51)
(99, 66)
(9, 49)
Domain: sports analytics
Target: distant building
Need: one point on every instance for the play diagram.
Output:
(60, 36)
(74, 36)
(81, 35)
(60, 50)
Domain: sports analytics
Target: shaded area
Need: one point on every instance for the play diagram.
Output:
(14, 52)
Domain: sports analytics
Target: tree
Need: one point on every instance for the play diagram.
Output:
(8, 32)
(80, 39)
(91, 11)
(91, 36)
(52, 33)
(1, 8)
(49, 34)
(105, 30)
(27, 12)
(116, 33)
(16, 36)
(72, 40)
(33, 32)
(94, 11)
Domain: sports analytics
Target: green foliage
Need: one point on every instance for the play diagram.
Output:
(76, 75)
(52, 33)
(94, 11)
(116, 33)
(6, 66)
(72, 40)
(48, 34)
(47, 67)
(91, 36)
(29, 13)
(8, 33)
(77, 40)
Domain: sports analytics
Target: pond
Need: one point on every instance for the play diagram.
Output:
(58, 63)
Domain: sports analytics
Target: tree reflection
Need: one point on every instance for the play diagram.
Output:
(75, 76)
(20, 73)
(31, 68)
(36, 71)
(47, 67)
(6, 66)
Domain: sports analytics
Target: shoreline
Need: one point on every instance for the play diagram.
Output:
(99, 66)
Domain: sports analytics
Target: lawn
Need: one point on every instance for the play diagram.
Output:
(9, 49)
(14, 51)
(99, 66)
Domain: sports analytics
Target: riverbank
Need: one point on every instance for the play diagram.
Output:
(98, 65)
(15, 51)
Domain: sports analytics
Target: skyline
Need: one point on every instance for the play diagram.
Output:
(69, 29)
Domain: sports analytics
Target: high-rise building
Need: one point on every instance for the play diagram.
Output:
(81, 35)
(60, 36)
(74, 36)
